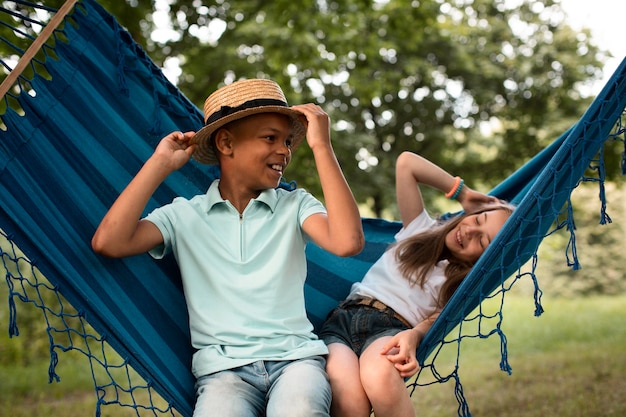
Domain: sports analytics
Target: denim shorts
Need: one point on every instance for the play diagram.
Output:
(357, 326)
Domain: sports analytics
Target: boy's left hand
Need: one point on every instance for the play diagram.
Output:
(317, 122)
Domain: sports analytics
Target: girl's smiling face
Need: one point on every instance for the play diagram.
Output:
(469, 239)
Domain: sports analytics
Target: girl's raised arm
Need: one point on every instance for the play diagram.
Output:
(413, 170)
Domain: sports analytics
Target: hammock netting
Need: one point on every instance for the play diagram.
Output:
(79, 122)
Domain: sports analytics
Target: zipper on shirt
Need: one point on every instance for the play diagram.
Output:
(241, 236)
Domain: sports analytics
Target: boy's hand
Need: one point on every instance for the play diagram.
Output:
(318, 129)
(175, 149)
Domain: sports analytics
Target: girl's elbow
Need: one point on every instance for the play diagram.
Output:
(404, 158)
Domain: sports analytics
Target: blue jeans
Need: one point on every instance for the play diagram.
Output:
(266, 389)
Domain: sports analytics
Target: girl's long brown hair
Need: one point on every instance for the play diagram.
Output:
(417, 255)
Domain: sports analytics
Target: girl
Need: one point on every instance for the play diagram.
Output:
(373, 335)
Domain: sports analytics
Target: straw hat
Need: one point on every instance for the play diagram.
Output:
(240, 99)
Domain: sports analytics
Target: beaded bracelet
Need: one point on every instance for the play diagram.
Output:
(456, 188)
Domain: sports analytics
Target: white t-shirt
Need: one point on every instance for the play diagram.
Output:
(385, 283)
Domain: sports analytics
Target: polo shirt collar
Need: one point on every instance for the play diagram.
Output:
(269, 197)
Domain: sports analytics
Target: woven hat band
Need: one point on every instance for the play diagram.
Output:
(226, 110)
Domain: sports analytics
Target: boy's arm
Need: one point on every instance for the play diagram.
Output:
(340, 230)
(121, 232)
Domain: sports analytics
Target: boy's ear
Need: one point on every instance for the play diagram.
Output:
(223, 142)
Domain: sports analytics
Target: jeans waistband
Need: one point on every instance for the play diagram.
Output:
(375, 304)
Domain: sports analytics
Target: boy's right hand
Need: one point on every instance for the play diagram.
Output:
(175, 149)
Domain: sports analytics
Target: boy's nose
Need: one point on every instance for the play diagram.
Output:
(284, 149)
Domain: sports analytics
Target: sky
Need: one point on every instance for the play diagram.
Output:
(605, 19)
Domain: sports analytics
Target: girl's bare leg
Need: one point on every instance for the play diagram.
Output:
(349, 399)
(383, 385)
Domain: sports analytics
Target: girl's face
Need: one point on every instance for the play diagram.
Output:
(469, 239)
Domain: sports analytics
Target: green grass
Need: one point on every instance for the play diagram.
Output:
(25, 391)
(568, 362)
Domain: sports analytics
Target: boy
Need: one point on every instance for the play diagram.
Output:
(240, 248)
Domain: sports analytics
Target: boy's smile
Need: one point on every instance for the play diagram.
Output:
(278, 168)
(257, 151)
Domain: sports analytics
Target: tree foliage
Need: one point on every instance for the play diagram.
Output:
(477, 86)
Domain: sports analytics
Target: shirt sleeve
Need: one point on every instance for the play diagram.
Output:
(422, 222)
(162, 218)
(309, 205)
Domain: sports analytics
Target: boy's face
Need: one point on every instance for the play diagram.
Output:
(261, 149)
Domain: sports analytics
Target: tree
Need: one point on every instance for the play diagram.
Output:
(477, 86)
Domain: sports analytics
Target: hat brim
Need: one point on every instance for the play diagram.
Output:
(205, 152)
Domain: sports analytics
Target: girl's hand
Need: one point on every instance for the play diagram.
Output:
(400, 350)
(472, 200)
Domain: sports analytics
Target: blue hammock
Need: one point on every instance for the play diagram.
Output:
(97, 116)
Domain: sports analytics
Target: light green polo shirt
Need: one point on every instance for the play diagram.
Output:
(243, 277)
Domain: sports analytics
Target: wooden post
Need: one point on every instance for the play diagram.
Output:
(35, 46)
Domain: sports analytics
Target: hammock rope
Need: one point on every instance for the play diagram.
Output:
(60, 170)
